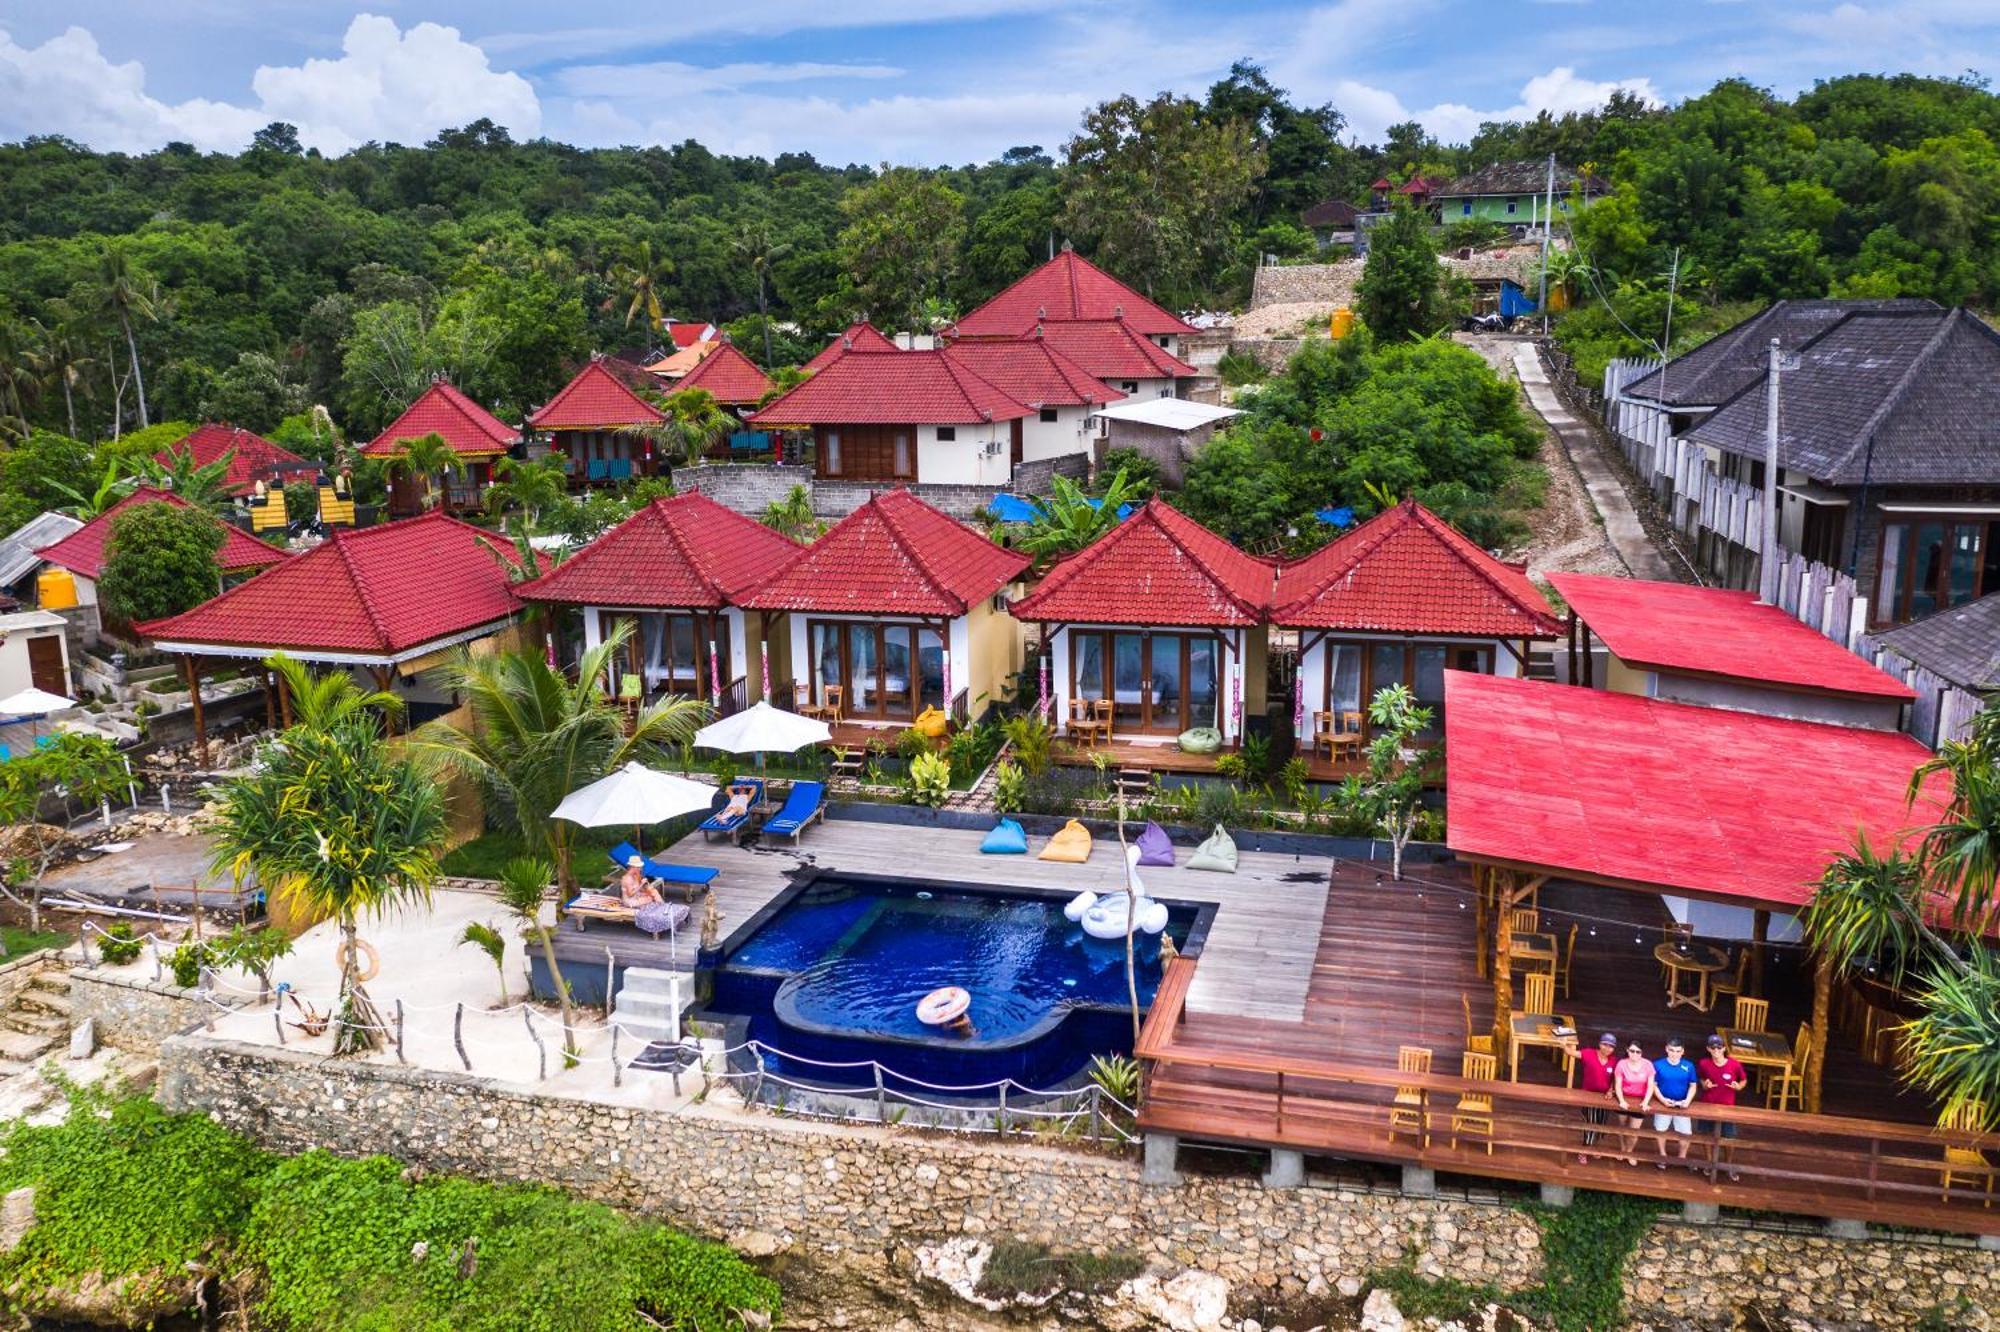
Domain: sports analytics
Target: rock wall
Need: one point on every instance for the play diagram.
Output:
(1293, 284)
(133, 1012)
(750, 489)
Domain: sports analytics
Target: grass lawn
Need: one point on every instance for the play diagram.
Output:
(19, 941)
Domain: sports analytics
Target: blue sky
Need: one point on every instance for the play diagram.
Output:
(907, 81)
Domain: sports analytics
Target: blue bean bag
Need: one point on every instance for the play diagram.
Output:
(1155, 847)
(1008, 838)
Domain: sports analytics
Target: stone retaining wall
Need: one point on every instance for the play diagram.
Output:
(770, 1182)
(133, 1012)
(752, 488)
(1293, 284)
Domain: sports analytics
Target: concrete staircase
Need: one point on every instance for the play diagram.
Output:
(36, 1022)
(648, 1006)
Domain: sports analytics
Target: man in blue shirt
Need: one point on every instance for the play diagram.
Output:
(1674, 1085)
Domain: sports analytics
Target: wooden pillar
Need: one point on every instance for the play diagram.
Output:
(1821, 1010)
(1574, 678)
(193, 674)
(1589, 670)
(1503, 968)
(285, 702)
(1760, 933)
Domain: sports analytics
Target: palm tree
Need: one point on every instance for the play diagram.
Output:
(425, 459)
(124, 295)
(204, 485)
(535, 486)
(20, 380)
(641, 274)
(492, 943)
(695, 420)
(337, 823)
(1959, 854)
(524, 890)
(793, 515)
(754, 246)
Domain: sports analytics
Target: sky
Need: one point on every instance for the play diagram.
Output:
(920, 82)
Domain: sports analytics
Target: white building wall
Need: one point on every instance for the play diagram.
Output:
(1312, 670)
(968, 459)
(1070, 433)
(15, 674)
(1139, 390)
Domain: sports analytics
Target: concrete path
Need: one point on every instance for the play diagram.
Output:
(1641, 558)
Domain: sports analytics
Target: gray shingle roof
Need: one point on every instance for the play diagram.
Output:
(1330, 213)
(1889, 397)
(17, 548)
(1735, 358)
(1529, 176)
(1961, 644)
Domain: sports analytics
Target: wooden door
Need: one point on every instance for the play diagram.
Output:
(45, 664)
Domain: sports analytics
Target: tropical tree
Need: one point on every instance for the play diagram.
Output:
(1392, 788)
(79, 767)
(900, 244)
(1067, 520)
(793, 515)
(640, 275)
(88, 504)
(756, 249)
(695, 421)
(535, 487)
(160, 561)
(61, 358)
(425, 459)
(524, 890)
(492, 943)
(335, 822)
(125, 295)
(203, 485)
(1400, 294)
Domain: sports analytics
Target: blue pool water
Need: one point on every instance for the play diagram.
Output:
(837, 972)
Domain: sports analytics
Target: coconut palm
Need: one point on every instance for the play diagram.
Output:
(334, 821)
(793, 515)
(490, 942)
(641, 275)
(535, 486)
(1959, 853)
(754, 246)
(695, 421)
(524, 889)
(425, 458)
(61, 359)
(125, 295)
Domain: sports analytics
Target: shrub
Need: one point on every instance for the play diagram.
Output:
(971, 749)
(186, 963)
(1033, 741)
(1020, 1268)
(1009, 787)
(1240, 368)
(930, 779)
(301, 502)
(1142, 474)
(911, 743)
(118, 945)
(1058, 791)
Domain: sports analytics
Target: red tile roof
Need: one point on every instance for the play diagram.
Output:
(1670, 796)
(1157, 567)
(257, 459)
(895, 555)
(1031, 371)
(686, 551)
(442, 410)
(1408, 571)
(83, 551)
(1069, 287)
(1111, 349)
(596, 399)
(862, 336)
(892, 388)
(686, 334)
(376, 592)
(1713, 631)
(727, 373)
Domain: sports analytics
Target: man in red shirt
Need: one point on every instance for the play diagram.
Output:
(1594, 1069)
(1721, 1077)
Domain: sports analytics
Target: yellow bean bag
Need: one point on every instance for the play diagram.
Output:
(931, 722)
(1071, 845)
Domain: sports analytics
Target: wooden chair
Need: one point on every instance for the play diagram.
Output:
(833, 703)
(1410, 1108)
(802, 702)
(1751, 1014)
(1966, 1163)
(1478, 1042)
(1080, 727)
(1538, 994)
(1787, 1085)
(1474, 1111)
(1732, 984)
(1100, 715)
(1342, 734)
(1676, 933)
(1568, 958)
(1526, 920)
(1324, 733)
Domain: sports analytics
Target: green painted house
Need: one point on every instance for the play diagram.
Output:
(1511, 193)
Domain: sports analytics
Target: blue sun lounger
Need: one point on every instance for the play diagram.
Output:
(806, 803)
(691, 876)
(734, 826)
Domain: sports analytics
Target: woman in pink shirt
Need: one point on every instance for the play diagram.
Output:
(1631, 1083)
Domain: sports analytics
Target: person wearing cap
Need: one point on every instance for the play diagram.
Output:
(633, 890)
(1673, 1087)
(1721, 1078)
(1596, 1068)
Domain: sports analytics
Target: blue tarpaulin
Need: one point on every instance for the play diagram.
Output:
(1515, 302)
(1340, 517)
(1020, 509)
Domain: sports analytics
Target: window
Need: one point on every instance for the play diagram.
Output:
(1512, 204)
(1130, 386)
(1048, 415)
(947, 433)
(1930, 563)
(1356, 672)
(1465, 209)
(833, 453)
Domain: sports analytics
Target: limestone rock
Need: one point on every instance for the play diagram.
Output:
(1349, 1286)
(17, 1217)
(757, 1243)
(1190, 1302)
(1380, 1314)
(83, 1039)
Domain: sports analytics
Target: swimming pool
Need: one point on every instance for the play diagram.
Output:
(835, 972)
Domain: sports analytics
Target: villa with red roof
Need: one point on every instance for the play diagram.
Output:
(477, 436)
(594, 421)
(1115, 352)
(1401, 599)
(858, 336)
(1163, 618)
(675, 571)
(252, 457)
(730, 377)
(1059, 394)
(1720, 648)
(1069, 288)
(896, 416)
(897, 608)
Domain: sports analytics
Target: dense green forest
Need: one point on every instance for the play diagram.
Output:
(176, 285)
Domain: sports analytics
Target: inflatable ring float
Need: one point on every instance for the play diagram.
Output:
(368, 964)
(941, 1007)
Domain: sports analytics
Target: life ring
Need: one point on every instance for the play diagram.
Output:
(943, 1006)
(369, 966)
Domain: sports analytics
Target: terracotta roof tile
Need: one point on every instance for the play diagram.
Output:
(862, 336)
(1111, 349)
(256, 459)
(892, 388)
(596, 399)
(1408, 571)
(1157, 567)
(1031, 371)
(685, 551)
(376, 592)
(727, 373)
(895, 555)
(1069, 287)
(83, 551)
(681, 360)
(444, 411)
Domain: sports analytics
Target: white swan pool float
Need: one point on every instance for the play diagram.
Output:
(1104, 918)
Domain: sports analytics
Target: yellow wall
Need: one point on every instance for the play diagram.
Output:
(1622, 679)
(995, 644)
(779, 644)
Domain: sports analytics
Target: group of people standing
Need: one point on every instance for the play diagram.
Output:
(1668, 1087)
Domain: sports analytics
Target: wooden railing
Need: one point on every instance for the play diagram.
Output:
(736, 697)
(960, 709)
(1816, 1165)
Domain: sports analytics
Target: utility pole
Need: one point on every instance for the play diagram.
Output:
(1767, 555)
(1548, 230)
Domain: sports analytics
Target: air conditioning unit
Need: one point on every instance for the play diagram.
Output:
(991, 448)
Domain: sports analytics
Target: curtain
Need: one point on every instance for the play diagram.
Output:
(652, 639)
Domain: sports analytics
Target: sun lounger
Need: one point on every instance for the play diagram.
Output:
(665, 918)
(805, 804)
(683, 876)
(745, 797)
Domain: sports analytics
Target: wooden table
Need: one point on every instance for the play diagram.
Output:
(1535, 950)
(1698, 960)
(1542, 1029)
(1756, 1049)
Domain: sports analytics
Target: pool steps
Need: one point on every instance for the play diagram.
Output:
(649, 1004)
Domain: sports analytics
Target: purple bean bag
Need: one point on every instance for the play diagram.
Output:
(1155, 847)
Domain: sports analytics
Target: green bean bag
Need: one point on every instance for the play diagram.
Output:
(1216, 852)
(1200, 740)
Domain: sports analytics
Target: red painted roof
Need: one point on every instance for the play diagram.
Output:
(1408, 571)
(689, 333)
(442, 410)
(1713, 631)
(596, 399)
(895, 555)
(375, 591)
(1111, 349)
(686, 551)
(1157, 567)
(1031, 371)
(862, 336)
(257, 459)
(1680, 798)
(1418, 185)
(892, 388)
(1069, 287)
(83, 551)
(727, 373)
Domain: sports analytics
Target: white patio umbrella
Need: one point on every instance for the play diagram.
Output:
(36, 703)
(762, 729)
(634, 796)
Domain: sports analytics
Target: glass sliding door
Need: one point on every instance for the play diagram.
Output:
(864, 669)
(1130, 695)
(829, 658)
(890, 670)
(897, 660)
(1202, 682)
(1166, 660)
(930, 670)
(1159, 683)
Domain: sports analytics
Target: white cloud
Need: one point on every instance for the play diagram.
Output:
(1372, 110)
(386, 84)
